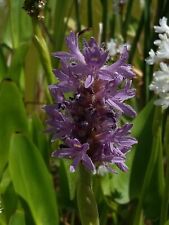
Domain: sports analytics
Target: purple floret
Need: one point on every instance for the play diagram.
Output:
(89, 103)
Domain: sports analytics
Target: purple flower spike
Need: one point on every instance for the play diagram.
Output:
(89, 101)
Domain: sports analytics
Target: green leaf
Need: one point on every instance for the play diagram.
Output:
(120, 182)
(120, 186)
(167, 222)
(142, 130)
(105, 183)
(142, 118)
(10, 202)
(154, 192)
(68, 181)
(150, 190)
(5, 180)
(59, 21)
(38, 136)
(18, 218)
(17, 63)
(32, 180)
(3, 66)
(12, 117)
(20, 23)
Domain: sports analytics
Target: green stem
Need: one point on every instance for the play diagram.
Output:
(44, 55)
(85, 198)
(136, 38)
(77, 11)
(113, 26)
(104, 19)
(165, 199)
(89, 9)
(127, 18)
(150, 167)
(43, 51)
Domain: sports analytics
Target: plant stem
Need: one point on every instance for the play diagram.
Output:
(77, 12)
(127, 18)
(136, 38)
(146, 68)
(165, 199)
(104, 19)
(43, 51)
(85, 198)
(89, 9)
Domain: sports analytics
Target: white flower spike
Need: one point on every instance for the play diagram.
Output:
(160, 82)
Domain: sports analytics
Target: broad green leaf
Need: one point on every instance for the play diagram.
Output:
(12, 117)
(2, 219)
(120, 182)
(32, 180)
(165, 197)
(154, 192)
(150, 190)
(39, 137)
(120, 187)
(10, 202)
(142, 118)
(17, 63)
(105, 183)
(18, 218)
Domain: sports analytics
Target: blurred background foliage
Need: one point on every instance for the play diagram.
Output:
(38, 190)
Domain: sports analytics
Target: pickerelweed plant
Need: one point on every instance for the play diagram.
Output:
(88, 122)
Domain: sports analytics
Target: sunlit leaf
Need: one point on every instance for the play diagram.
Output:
(39, 136)
(17, 218)
(12, 117)
(32, 180)
(68, 181)
(17, 63)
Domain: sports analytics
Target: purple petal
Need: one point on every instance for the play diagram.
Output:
(112, 103)
(75, 163)
(62, 55)
(87, 162)
(122, 166)
(105, 76)
(72, 43)
(89, 81)
(127, 109)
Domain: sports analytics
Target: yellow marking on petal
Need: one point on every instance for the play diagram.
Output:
(77, 145)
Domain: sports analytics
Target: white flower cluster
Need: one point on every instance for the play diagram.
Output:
(160, 83)
(114, 47)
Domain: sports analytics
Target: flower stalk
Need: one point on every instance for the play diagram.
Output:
(85, 198)
(165, 199)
